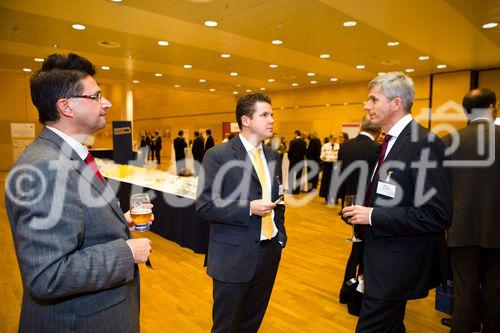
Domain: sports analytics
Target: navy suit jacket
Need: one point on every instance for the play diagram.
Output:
(404, 248)
(227, 184)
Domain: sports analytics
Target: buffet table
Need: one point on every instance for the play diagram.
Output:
(173, 198)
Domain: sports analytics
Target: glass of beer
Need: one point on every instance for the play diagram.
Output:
(140, 214)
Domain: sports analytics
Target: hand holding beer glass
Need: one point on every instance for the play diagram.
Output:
(351, 200)
(140, 211)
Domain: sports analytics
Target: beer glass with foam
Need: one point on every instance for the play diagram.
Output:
(139, 212)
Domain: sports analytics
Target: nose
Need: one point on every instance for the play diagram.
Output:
(367, 106)
(105, 103)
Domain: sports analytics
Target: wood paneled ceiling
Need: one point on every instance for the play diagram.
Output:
(448, 32)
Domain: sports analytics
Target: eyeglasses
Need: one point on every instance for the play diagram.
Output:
(96, 97)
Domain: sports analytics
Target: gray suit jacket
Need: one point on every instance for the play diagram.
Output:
(69, 232)
(476, 220)
(224, 197)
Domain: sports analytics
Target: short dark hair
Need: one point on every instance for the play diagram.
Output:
(297, 133)
(196, 133)
(181, 132)
(59, 77)
(208, 131)
(482, 98)
(245, 106)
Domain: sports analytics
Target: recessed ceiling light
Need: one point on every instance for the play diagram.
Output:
(360, 66)
(273, 65)
(311, 74)
(277, 42)
(158, 74)
(79, 27)
(409, 70)
(55, 46)
(314, 82)
(349, 23)
(345, 103)
(423, 58)
(27, 70)
(38, 59)
(202, 80)
(163, 43)
(270, 80)
(136, 81)
(238, 85)
(225, 55)
(116, 0)
(248, 90)
(212, 89)
(441, 66)
(188, 66)
(105, 68)
(262, 88)
(490, 25)
(177, 85)
(334, 79)
(211, 23)
(233, 74)
(235, 92)
(324, 56)
(295, 84)
(392, 43)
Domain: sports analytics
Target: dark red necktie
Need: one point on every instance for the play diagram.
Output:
(89, 160)
(381, 156)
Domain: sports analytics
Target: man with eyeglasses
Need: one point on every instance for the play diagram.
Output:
(77, 260)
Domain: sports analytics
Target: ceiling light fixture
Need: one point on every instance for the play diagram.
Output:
(424, 57)
(360, 66)
(136, 81)
(211, 23)
(349, 23)
(225, 55)
(262, 88)
(212, 89)
(38, 59)
(105, 68)
(248, 90)
(314, 82)
(311, 74)
(273, 65)
(270, 80)
(116, 0)
(490, 25)
(202, 80)
(295, 84)
(235, 92)
(334, 79)
(55, 46)
(158, 74)
(27, 70)
(324, 56)
(163, 43)
(79, 27)
(441, 66)
(277, 42)
(409, 70)
(177, 85)
(188, 66)
(392, 43)
(233, 74)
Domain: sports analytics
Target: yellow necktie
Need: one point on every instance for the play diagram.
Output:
(267, 220)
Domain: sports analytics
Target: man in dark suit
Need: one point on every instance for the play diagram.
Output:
(474, 236)
(180, 155)
(237, 190)
(198, 151)
(209, 141)
(296, 156)
(72, 240)
(408, 206)
(363, 149)
(312, 154)
(156, 146)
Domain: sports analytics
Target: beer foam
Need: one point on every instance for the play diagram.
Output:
(140, 210)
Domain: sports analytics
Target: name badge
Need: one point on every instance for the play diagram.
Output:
(280, 189)
(386, 189)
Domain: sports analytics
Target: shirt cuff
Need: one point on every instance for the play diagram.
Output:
(370, 216)
(133, 254)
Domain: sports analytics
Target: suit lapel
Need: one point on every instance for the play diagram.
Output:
(105, 191)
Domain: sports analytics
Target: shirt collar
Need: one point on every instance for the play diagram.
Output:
(77, 146)
(248, 146)
(396, 130)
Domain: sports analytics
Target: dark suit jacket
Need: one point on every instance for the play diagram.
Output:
(314, 150)
(476, 190)
(69, 232)
(179, 145)
(235, 235)
(403, 255)
(297, 151)
(360, 148)
(209, 143)
(198, 149)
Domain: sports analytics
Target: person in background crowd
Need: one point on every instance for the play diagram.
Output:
(329, 153)
(296, 156)
(73, 243)
(198, 150)
(156, 146)
(407, 208)
(209, 141)
(247, 232)
(313, 157)
(474, 236)
(343, 138)
(180, 154)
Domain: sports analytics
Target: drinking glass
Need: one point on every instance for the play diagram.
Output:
(351, 200)
(140, 214)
